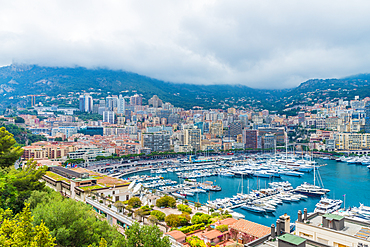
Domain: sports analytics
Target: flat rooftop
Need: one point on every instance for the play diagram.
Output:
(350, 228)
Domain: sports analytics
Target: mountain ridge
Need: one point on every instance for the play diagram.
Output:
(21, 80)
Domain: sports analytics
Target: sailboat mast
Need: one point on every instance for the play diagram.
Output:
(242, 184)
(248, 186)
(286, 149)
(314, 173)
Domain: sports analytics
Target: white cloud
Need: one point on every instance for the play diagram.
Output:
(262, 44)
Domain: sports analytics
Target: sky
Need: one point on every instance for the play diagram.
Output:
(268, 44)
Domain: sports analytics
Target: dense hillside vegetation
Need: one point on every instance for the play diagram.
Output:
(17, 81)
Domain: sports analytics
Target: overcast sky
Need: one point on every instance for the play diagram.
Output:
(261, 44)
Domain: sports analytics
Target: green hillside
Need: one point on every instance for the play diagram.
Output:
(18, 81)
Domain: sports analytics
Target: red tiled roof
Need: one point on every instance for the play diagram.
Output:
(176, 234)
(212, 234)
(228, 221)
(251, 228)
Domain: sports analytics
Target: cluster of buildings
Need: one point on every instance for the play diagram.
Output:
(130, 127)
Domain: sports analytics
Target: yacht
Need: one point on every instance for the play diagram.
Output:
(311, 190)
(362, 211)
(226, 174)
(326, 205)
(253, 208)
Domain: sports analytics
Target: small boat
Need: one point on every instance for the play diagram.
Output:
(178, 195)
(237, 215)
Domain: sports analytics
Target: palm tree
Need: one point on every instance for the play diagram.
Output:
(120, 206)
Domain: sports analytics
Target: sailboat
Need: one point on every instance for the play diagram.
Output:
(312, 190)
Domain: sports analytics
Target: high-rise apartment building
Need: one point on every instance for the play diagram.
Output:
(157, 142)
(108, 117)
(192, 136)
(86, 103)
(121, 105)
(250, 138)
(155, 101)
(367, 117)
(136, 100)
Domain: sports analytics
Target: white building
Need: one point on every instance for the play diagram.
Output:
(108, 117)
(66, 130)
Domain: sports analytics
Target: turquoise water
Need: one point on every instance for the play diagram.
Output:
(340, 178)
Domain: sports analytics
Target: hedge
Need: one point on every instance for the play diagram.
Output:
(187, 229)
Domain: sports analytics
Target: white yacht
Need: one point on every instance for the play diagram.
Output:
(311, 189)
(326, 205)
(362, 211)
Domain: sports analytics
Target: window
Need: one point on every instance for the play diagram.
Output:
(302, 234)
(323, 241)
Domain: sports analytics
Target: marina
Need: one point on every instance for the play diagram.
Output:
(237, 184)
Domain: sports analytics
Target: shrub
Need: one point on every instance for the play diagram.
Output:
(100, 201)
(160, 215)
(166, 201)
(172, 220)
(184, 208)
(93, 197)
(175, 220)
(195, 241)
(200, 218)
(134, 202)
(222, 228)
(187, 229)
(146, 207)
(109, 205)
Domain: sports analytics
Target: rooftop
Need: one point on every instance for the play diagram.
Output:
(333, 216)
(176, 234)
(292, 239)
(351, 228)
(212, 234)
(251, 228)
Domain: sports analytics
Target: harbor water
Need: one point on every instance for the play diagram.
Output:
(341, 178)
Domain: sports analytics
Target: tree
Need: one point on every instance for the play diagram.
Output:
(16, 186)
(200, 218)
(9, 154)
(20, 231)
(134, 202)
(153, 219)
(222, 228)
(73, 223)
(166, 201)
(197, 205)
(139, 212)
(172, 220)
(160, 215)
(184, 208)
(147, 236)
(120, 206)
(175, 220)
(19, 120)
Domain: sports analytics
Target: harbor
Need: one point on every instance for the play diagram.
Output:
(347, 182)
